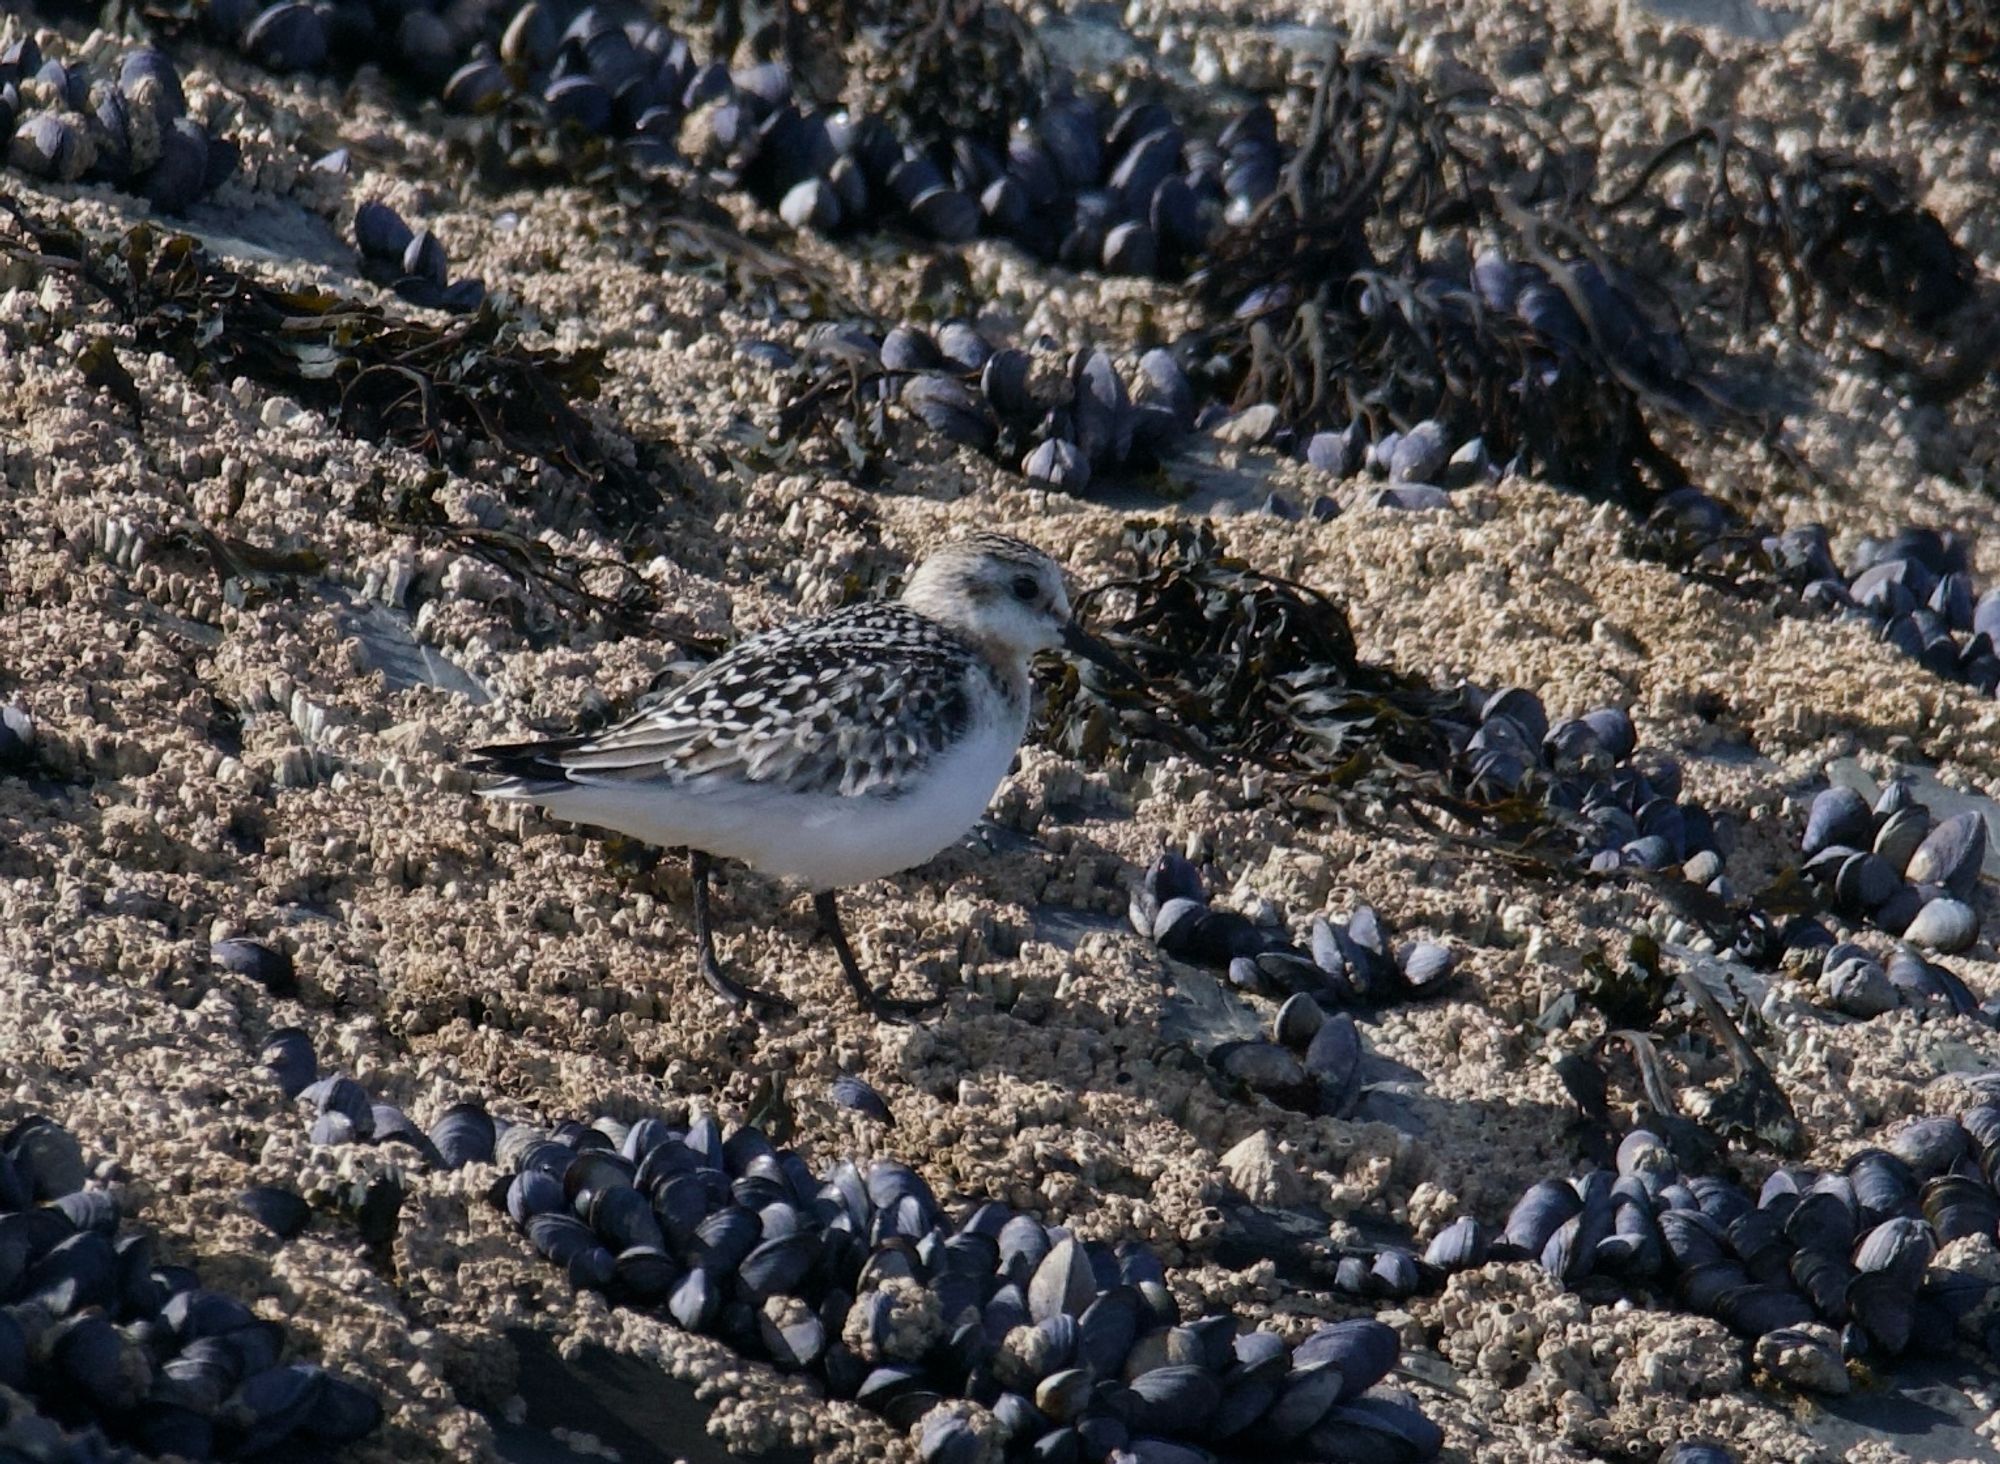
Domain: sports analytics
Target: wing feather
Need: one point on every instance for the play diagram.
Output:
(852, 703)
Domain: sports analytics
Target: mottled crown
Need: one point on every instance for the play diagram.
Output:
(1000, 592)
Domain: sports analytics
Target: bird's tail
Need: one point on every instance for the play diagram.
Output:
(525, 769)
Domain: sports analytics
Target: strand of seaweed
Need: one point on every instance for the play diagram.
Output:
(435, 389)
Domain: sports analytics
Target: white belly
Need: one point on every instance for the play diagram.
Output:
(821, 840)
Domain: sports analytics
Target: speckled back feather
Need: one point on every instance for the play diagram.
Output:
(853, 703)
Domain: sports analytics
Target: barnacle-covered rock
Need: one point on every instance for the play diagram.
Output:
(1261, 1171)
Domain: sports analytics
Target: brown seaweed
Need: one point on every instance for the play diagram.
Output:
(1240, 669)
(436, 389)
(1435, 252)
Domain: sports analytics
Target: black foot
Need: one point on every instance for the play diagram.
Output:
(874, 1000)
(735, 992)
(886, 1008)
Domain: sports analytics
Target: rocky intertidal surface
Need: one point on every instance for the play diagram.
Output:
(1533, 463)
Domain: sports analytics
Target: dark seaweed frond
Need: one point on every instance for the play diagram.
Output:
(1243, 670)
(435, 388)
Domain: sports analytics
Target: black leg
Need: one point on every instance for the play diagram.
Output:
(888, 1008)
(726, 986)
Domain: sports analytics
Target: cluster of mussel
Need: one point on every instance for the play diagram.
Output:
(1570, 358)
(1856, 982)
(1817, 1268)
(1312, 1060)
(1064, 421)
(100, 1334)
(1588, 774)
(1348, 963)
(1915, 587)
(132, 131)
(1894, 867)
(411, 262)
(1065, 1350)
(344, 1113)
(369, 1195)
(1128, 193)
(1422, 465)
(1060, 419)
(994, 1334)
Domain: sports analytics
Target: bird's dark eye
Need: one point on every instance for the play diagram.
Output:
(1025, 588)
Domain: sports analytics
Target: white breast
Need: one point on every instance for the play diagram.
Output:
(821, 840)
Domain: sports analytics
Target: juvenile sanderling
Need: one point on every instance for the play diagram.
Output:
(830, 751)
